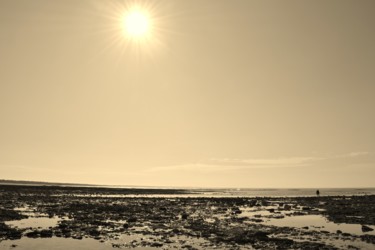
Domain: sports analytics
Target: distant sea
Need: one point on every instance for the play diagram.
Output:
(290, 192)
(269, 192)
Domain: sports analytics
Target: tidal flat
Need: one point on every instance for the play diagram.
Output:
(57, 217)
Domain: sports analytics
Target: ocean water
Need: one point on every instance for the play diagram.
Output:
(256, 192)
(292, 192)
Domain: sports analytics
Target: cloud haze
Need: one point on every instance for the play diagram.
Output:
(213, 165)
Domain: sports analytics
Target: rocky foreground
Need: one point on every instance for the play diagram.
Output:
(189, 223)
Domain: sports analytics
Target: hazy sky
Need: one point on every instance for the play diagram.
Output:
(222, 93)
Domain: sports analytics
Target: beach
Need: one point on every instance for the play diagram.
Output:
(57, 217)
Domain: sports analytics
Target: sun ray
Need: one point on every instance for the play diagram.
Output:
(143, 41)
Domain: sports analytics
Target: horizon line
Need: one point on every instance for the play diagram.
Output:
(31, 182)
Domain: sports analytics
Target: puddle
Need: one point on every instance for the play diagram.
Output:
(55, 244)
(264, 212)
(317, 222)
(345, 244)
(135, 239)
(23, 209)
(255, 213)
(339, 242)
(122, 242)
(34, 222)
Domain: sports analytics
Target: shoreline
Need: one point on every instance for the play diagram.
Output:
(219, 192)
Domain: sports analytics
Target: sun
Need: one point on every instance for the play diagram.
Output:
(135, 27)
(136, 24)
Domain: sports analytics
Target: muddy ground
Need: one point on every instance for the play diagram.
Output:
(205, 223)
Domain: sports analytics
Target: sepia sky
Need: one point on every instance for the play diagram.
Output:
(220, 93)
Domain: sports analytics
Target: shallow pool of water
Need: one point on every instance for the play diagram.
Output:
(317, 222)
(122, 242)
(35, 222)
(54, 244)
(263, 212)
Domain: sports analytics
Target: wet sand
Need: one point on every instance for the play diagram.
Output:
(51, 217)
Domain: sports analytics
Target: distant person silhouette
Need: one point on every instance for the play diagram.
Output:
(317, 192)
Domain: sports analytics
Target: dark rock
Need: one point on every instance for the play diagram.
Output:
(299, 213)
(132, 220)
(184, 216)
(156, 244)
(261, 235)
(351, 247)
(94, 232)
(7, 214)
(284, 243)
(339, 232)
(46, 233)
(252, 203)
(63, 225)
(33, 234)
(366, 229)
(14, 234)
(368, 238)
(66, 230)
(287, 207)
(58, 233)
(189, 247)
(266, 203)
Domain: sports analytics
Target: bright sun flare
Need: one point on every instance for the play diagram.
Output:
(136, 24)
